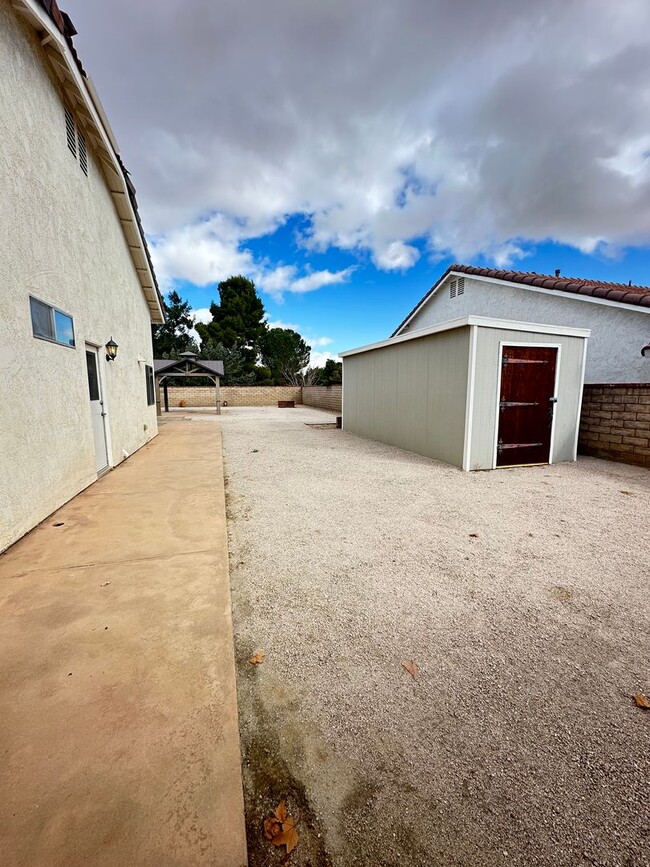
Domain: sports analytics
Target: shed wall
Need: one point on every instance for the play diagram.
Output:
(569, 392)
(411, 395)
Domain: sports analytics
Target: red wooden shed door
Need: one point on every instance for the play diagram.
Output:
(526, 405)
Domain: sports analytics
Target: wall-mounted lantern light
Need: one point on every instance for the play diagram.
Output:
(111, 350)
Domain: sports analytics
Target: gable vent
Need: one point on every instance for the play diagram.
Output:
(83, 156)
(453, 288)
(461, 285)
(70, 132)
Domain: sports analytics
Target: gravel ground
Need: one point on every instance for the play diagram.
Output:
(522, 597)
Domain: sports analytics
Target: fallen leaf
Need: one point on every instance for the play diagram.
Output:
(627, 492)
(288, 837)
(473, 535)
(642, 700)
(280, 812)
(257, 658)
(412, 668)
(105, 584)
(272, 828)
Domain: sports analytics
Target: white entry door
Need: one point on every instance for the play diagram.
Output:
(96, 409)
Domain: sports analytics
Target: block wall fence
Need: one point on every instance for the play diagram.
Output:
(324, 397)
(615, 422)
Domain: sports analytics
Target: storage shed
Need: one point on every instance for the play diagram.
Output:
(476, 392)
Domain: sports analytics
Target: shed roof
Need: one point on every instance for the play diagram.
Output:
(620, 293)
(464, 321)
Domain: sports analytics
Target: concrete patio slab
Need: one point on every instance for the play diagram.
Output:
(119, 731)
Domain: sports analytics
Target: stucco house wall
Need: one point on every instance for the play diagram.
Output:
(60, 241)
(617, 334)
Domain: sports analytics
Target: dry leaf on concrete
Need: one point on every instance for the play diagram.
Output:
(412, 668)
(280, 829)
(288, 837)
(642, 700)
(272, 827)
(473, 535)
(257, 658)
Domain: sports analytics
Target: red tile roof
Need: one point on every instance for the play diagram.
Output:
(623, 293)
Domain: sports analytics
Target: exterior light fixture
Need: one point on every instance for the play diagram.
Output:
(111, 350)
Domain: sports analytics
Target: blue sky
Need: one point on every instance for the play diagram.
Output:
(372, 302)
(343, 154)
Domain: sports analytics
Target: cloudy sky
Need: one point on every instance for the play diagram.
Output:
(343, 153)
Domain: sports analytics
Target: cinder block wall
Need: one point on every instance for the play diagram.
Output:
(259, 395)
(323, 396)
(615, 422)
(235, 395)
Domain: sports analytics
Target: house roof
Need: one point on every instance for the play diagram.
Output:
(182, 366)
(621, 293)
(469, 321)
(55, 31)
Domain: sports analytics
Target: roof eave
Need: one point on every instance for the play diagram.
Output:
(85, 101)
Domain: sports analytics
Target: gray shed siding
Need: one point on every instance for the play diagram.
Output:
(569, 392)
(411, 395)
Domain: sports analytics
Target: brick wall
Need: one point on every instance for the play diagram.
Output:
(236, 395)
(615, 422)
(323, 396)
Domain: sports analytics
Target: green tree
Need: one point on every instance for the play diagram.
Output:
(173, 337)
(235, 365)
(284, 352)
(237, 321)
(332, 372)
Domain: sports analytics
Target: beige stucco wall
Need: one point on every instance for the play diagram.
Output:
(60, 240)
(617, 333)
(567, 410)
(411, 395)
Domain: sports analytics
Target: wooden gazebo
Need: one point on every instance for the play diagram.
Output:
(187, 365)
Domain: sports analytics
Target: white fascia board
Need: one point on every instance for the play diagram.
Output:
(40, 19)
(481, 322)
(556, 293)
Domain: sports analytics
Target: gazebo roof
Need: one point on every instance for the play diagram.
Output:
(188, 363)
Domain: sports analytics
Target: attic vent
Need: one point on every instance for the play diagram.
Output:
(83, 156)
(461, 285)
(453, 288)
(70, 132)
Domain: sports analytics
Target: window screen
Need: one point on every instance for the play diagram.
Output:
(151, 391)
(42, 324)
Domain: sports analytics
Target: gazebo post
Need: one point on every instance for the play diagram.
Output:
(165, 395)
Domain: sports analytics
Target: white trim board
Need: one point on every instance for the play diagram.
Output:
(556, 293)
(469, 399)
(481, 322)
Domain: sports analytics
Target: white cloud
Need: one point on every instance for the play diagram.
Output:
(278, 323)
(493, 125)
(318, 359)
(202, 314)
(320, 341)
(397, 256)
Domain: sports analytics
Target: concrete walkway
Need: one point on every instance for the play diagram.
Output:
(119, 742)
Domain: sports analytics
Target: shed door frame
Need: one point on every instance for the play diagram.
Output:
(558, 362)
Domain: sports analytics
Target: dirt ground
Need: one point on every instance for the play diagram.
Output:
(522, 597)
